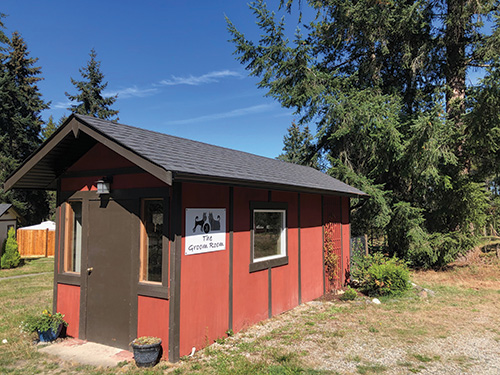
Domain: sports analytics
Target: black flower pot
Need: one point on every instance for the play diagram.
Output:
(146, 355)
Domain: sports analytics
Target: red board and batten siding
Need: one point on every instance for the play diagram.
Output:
(204, 301)
(101, 157)
(250, 290)
(284, 279)
(332, 232)
(346, 239)
(311, 247)
(336, 216)
(204, 284)
(68, 304)
(205, 278)
(153, 319)
(152, 313)
(68, 296)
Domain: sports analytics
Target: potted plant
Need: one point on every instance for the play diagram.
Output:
(47, 325)
(147, 351)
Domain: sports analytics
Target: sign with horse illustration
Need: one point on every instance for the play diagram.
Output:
(205, 230)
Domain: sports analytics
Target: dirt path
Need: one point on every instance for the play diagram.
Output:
(26, 275)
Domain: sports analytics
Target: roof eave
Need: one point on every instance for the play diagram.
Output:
(193, 177)
(76, 125)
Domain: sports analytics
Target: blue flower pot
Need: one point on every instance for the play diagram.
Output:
(50, 335)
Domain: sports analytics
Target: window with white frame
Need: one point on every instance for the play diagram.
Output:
(269, 235)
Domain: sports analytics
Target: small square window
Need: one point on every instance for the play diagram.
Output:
(269, 235)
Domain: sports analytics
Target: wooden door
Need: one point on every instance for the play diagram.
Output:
(110, 240)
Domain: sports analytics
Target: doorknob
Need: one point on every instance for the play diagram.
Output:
(89, 270)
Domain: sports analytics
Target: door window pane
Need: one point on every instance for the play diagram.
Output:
(152, 240)
(73, 248)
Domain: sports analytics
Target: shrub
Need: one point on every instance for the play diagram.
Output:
(408, 239)
(361, 263)
(389, 278)
(10, 257)
(440, 249)
(349, 294)
(379, 275)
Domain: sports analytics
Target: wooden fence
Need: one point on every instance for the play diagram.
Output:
(36, 243)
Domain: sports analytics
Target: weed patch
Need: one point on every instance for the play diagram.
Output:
(371, 369)
(425, 358)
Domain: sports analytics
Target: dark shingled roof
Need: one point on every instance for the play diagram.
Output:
(197, 159)
(4, 207)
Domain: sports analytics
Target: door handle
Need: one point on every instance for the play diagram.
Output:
(89, 270)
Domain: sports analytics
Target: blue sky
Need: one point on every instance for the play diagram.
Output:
(170, 63)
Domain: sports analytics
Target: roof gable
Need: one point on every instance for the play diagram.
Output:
(164, 155)
(4, 207)
(8, 212)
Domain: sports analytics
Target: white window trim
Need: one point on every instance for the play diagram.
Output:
(283, 236)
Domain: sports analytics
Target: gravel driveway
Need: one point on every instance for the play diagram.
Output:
(352, 346)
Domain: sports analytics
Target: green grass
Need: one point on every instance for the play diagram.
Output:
(281, 349)
(373, 368)
(29, 266)
(425, 359)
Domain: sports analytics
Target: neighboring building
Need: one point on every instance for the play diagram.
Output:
(9, 218)
(164, 236)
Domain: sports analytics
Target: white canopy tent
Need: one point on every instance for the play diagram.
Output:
(50, 225)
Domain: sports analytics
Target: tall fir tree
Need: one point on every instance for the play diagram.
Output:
(385, 83)
(49, 128)
(90, 98)
(20, 122)
(298, 145)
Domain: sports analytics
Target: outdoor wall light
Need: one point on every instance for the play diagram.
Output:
(104, 185)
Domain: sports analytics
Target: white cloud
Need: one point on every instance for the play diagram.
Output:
(211, 77)
(217, 116)
(130, 92)
(61, 105)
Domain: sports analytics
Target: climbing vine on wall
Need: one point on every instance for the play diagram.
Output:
(332, 259)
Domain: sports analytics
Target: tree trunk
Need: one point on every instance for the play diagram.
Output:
(455, 59)
(455, 69)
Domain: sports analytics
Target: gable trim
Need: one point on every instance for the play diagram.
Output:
(76, 126)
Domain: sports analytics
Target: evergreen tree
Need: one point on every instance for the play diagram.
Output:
(384, 81)
(4, 41)
(298, 144)
(49, 128)
(10, 254)
(20, 122)
(90, 99)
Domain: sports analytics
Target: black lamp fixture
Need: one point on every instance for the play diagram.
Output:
(104, 185)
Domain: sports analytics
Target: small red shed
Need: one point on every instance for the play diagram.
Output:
(164, 236)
